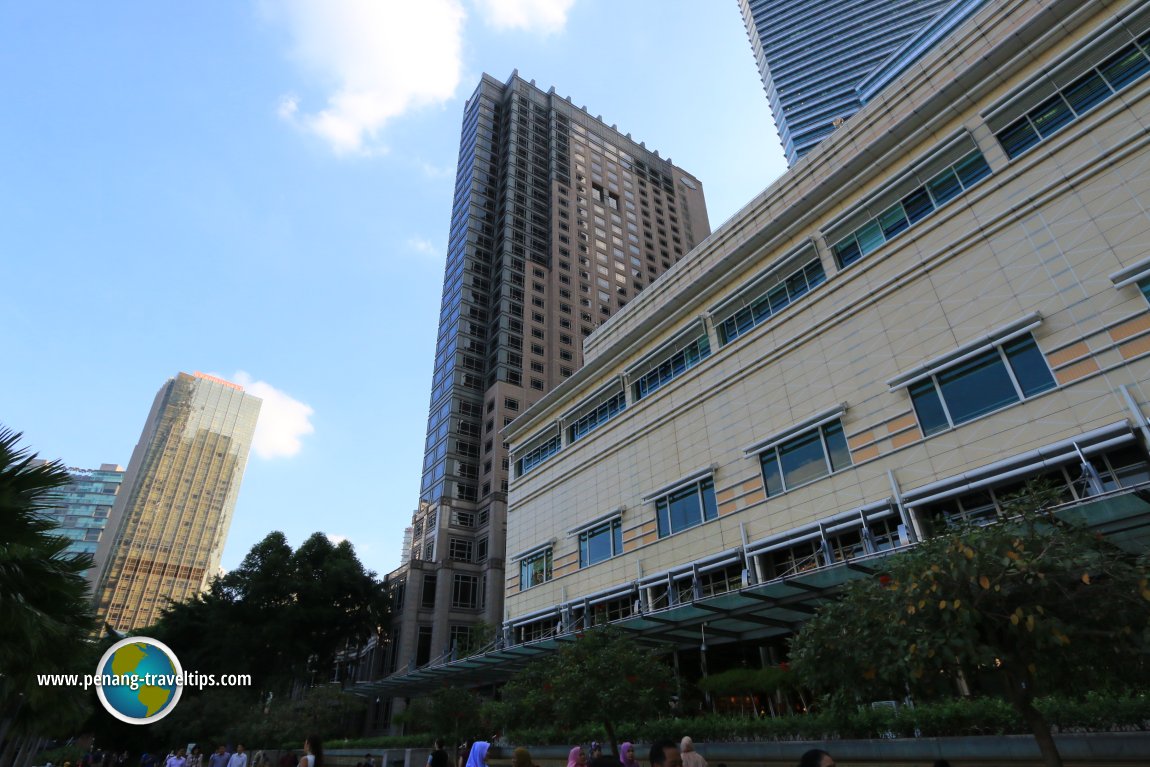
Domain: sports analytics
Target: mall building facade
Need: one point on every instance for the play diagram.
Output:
(949, 295)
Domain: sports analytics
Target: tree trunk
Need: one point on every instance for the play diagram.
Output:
(1019, 692)
(610, 728)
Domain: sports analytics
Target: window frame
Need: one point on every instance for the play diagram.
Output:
(935, 395)
(775, 452)
(547, 572)
(613, 528)
(706, 512)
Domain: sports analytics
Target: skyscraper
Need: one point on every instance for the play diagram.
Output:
(170, 521)
(558, 221)
(84, 505)
(817, 57)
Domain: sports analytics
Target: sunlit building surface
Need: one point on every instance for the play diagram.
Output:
(168, 527)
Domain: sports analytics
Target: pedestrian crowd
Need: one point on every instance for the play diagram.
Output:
(661, 754)
(222, 756)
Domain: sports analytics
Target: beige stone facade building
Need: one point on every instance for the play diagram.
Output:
(949, 295)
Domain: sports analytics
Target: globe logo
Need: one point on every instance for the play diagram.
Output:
(139, 680)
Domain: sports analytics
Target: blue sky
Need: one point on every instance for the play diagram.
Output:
(262, 190)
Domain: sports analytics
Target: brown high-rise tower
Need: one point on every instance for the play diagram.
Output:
(558, 221)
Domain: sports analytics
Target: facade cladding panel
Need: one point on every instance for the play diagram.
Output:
(813, 54)
(167, 529)
(82, 506)
(558, 221)
(971, 343)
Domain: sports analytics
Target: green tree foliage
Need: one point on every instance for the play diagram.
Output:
(602, 677)
(45, 611)
(452, 713)
(282, 617)
(1032, 602)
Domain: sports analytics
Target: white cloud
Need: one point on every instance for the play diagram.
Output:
(336, 539)
(381, 58)
(544, 16)
(422, 245)
(283, 422)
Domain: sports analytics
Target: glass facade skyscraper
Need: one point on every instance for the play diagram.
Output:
(82, 507)
(558, 221)
(167, 529)
(814, 55)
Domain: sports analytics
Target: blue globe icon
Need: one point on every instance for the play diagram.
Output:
(148, 666)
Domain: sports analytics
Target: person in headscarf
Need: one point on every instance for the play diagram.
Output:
(627, 755)
(522, 758)
(576, 757)
(691, 757)
(478, 756)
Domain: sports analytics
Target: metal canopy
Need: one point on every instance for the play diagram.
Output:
(753, 612)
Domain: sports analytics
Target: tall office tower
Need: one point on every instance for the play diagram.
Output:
(821, 60)
(84, 504)
(167, 529)
(558, 221)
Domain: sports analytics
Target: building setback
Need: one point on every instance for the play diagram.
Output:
(821, 60)
(950, 297)
(82, 507)
(167, 529)
(558, 221)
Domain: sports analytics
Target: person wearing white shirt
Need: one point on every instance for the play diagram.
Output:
(239, 758)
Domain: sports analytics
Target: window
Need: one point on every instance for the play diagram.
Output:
(464, 591)
(461, 518)
(1076, 99)
(597, 417)
(511, 404)
(537, 456)
(429, 551)
(686, 507)
(805, 458)
(459, 549)
(678, 363)
(427, 598)
(1144, 286)
(601, 542)
(1008, 373)
(912, 208)
(774, 300)
(481, 550)
(535, 569)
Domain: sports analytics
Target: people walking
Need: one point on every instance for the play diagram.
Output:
(691, 757)
(665, 754)
(816, 757)
(576, 757)
(196, 758)
(478, 755)
(178, 759)
(438, 756)
(312, 752)
(220, 758)
(627, 755)
(239, 758)
(522, 758)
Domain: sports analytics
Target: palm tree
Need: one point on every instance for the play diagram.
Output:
(45, 605)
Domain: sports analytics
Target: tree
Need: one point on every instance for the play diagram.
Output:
(45, 610)
(601, 677)
(1033, 601)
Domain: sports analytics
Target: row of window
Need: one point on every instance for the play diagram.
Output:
(954, 394)
(940, 189)
(538, 455)
(671, 368)
(1095, 87)
(774, 300)
(584, 425)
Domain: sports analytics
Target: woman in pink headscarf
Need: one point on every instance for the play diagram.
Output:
(576, 757)
(627, 755)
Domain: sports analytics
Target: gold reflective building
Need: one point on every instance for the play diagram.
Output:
(167, 529)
